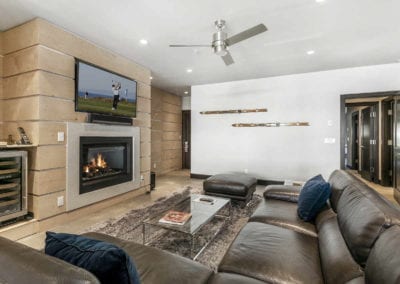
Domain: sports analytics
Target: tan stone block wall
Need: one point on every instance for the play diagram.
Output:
(166, 132)
(37, 92)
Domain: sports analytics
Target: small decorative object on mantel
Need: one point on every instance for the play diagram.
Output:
(234, 111)
(271, 124)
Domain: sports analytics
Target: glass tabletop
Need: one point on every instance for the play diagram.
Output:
(201, 208)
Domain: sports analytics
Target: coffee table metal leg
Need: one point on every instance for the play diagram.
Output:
(144, 233)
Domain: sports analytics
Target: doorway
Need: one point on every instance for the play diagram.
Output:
(368, 134)
(186, 139)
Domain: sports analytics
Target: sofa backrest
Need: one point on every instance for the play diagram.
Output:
(383, 265)
(337, 262)
(22, 264)
(363, 214)
(339, 181)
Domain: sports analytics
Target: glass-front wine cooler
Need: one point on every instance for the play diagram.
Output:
(13, 185)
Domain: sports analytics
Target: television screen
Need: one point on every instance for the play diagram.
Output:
(103, 92)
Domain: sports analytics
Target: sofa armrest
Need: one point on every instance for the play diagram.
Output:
(22, 264)
(288, 193)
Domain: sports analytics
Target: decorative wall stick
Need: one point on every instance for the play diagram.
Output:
(234, 111)
(271, 124)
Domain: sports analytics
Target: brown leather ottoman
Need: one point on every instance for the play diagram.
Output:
(237, 187)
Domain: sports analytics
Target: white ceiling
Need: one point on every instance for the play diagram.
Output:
(343, 33)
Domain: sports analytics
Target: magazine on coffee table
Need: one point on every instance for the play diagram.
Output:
(175, 217)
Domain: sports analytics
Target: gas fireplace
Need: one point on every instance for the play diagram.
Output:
(104, 161)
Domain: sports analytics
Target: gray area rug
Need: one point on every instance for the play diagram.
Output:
(129, 227)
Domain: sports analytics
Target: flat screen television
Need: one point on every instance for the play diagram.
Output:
(103, 92)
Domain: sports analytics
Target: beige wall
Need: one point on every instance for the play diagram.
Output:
(166, 131)
(38, 94)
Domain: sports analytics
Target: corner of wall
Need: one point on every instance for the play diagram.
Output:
(166, 131)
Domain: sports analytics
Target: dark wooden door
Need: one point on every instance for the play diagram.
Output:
(396, 149)
(365, 143)
(354, 143)
(369, 144)
(387, 143)
(186, 145)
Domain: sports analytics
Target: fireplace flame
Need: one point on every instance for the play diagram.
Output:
(95, 164)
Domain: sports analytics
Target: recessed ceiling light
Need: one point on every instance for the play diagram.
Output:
(151, 78)
(319, 1)
(186, 92)
(189, 70)
(310, 52)
(143, 41)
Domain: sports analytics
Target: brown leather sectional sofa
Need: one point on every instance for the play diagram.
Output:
(354, 240)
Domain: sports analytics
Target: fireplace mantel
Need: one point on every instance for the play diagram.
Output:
(75, 200)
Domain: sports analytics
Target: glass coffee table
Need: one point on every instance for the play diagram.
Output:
(203, 211)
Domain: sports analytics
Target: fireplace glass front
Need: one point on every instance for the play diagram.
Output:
(104, 161)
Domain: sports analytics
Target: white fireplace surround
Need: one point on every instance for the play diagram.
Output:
(75, 200)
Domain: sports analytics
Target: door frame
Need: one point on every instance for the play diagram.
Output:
(186, 133)
(343, 99)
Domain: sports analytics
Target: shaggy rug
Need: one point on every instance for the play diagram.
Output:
(129, 227)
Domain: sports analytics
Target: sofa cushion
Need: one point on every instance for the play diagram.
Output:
(339, 180)
(288, 193)
(337, 262)
(384, 262)
(313, 197)
(231, 278)
(157, 266)
(282, 214)
(109, 263)
(273, 254)
(22, 264)
(363, 215)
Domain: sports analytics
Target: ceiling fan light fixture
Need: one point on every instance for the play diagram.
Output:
(220, 50)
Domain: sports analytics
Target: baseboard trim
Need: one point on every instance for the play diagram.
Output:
(259, 181)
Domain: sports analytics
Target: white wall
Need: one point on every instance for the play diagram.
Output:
(295, 153)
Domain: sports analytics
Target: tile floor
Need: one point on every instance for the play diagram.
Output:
(165, 185)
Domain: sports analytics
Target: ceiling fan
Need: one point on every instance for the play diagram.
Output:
(221, 41)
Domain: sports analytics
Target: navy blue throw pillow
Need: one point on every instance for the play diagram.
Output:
(109, 263)
(313, 197)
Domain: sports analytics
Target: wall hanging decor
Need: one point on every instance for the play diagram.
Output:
(271, 124)
(234, 111)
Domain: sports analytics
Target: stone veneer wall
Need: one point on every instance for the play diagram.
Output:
(38, 94)
(166, 132)
(1, 86)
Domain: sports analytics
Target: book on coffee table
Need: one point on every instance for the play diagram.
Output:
(175, 217)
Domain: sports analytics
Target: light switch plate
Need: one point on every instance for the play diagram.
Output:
(329, 140)
(60, 201)
(60, 136)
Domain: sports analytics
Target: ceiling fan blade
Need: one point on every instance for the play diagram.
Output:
(246, 34)
(227, 58)
(189, 45)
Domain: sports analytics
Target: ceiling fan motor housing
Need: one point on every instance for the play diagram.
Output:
(218, 43)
